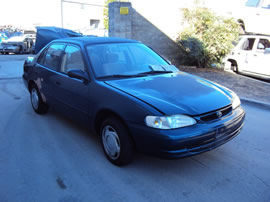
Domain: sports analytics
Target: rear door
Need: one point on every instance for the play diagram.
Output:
(71, 94)
(46, 71)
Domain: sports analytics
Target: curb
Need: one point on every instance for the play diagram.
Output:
(264, 105)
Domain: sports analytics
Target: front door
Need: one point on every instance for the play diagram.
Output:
(71, 94)
(244, 54)
(259, 62)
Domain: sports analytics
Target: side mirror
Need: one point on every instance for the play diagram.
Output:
(267, 51)
(29, 60)
(78, 74)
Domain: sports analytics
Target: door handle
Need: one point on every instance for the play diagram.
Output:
(58, 83)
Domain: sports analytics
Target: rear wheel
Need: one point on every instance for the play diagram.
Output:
(116, 141)
(235, 68)
(21, 50)
(37, 103)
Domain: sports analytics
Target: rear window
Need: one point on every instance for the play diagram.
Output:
(252, 3)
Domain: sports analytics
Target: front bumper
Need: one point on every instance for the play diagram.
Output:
(191, 140)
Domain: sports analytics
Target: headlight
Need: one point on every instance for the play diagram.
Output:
(169, 122)
(235, 101)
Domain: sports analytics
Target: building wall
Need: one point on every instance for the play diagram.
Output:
(135, 26)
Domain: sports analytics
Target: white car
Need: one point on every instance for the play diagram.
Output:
(251, 56)
(254, 16)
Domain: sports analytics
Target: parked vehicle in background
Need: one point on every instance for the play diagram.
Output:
(16, 34)
(251, 56)
(132, 98)
(46, 34)
(17, 45)
(254, 16)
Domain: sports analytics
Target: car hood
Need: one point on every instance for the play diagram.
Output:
(176, 93)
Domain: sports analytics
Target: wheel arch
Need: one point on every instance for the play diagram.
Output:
(30, 83)
(233, 62)
(104, 113)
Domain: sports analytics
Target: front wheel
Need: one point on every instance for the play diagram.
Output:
(116, 142)
(37, 103)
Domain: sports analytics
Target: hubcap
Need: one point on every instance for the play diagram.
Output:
(111, 142)
(34, 98)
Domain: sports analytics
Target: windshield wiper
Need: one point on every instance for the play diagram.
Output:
(135, 75)
(117, 76)
(155, 72)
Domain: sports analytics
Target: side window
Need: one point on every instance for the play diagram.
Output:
(252, 3)
(263, 44)
(72, 59)
(41, 57)
(53, 56)
(248, 44)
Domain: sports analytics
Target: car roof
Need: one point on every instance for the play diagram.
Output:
(86, 40)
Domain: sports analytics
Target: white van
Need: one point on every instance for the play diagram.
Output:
(251, 56)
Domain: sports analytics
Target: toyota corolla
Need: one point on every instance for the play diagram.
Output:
(133, 98)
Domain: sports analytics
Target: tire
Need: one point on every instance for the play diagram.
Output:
(116, 142)
(21, 50)
(37, 103)
(235, 68)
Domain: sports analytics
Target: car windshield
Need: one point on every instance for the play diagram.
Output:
(123, 60)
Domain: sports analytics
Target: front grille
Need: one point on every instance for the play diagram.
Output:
(216, 114)
(221, 135)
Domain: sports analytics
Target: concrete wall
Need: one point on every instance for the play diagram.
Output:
(136, 26)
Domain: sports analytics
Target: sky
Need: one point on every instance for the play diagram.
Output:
(26, 13)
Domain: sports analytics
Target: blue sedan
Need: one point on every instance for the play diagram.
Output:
(130, 96)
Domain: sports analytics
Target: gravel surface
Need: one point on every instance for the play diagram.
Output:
(244, 86)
